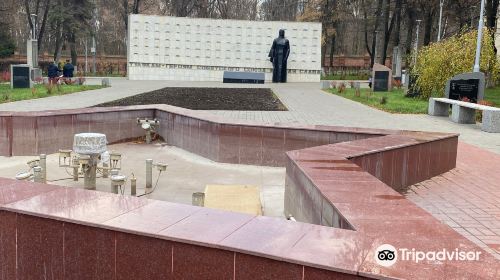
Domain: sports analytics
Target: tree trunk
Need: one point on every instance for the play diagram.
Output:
(323, 48)
(135, 8)
(44, 21)
(409, 32)
(387, 31)
(428, 26)
(125, 14)
(59, 43)
(332, 49)
(28, 13)
(365, 19)
(491, 19)
(72, 46)
(374, 39)
(397, 30)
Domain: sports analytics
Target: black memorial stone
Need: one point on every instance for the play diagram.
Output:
(243, 77)
(381, 80)
(20, 76)
(464, 89)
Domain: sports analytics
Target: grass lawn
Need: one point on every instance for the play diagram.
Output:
(396, 102)
(345, 77)
(39, 91)
(493, 95)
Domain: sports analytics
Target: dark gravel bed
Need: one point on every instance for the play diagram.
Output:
(238, 99)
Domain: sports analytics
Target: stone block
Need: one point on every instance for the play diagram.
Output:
(491, 121)
(437, 108)
(106, 82)
(460, 114)
(325, 84)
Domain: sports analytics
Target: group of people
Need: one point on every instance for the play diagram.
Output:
(54, 72)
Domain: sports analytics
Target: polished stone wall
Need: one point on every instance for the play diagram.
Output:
(195, 49)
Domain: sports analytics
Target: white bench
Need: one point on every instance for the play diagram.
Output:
(465, 112)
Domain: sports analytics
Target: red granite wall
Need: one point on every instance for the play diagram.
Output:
(406, 166)
(397, 161)
(51, 249)
(47, 132)
(247, 143)
(34, 133)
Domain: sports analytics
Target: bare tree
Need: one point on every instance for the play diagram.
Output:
(279, 10)
(41, 9)
(491, 18)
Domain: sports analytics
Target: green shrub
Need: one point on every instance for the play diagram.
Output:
(440, 61)
(383, 100)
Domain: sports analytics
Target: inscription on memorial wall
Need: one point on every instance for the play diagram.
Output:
(204, 46)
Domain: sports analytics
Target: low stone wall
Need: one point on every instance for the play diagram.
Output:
(397, 161)
(34, 133)
(54, 232)
(79, 234)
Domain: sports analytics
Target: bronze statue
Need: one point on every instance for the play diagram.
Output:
(278, 56)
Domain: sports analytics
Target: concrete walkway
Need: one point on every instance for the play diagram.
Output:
(307, 104)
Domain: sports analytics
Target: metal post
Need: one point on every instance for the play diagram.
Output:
(93, 50)
(133, 186)
(416, 42)
(37, 174)
(86, 56)
(76, 165)
(89, 179)
(105, 170)
(441, 3)
(114, 187)
(149, 173)
(198, 199)
(148, 136)
(479, 39)
(43, 165)
(33, 31)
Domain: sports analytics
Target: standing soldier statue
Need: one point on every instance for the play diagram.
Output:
(278, 56)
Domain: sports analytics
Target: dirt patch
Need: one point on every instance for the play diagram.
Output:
(238, 99)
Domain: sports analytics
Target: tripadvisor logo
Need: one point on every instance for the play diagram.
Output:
(387, 255)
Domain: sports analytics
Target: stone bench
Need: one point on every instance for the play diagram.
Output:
(465, 112)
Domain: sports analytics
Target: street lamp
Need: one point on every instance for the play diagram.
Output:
(416, 42)
(479, 39)
(441, 3)
(33, 29)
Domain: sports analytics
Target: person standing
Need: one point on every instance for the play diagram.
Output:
(68, 69)
(53, 73)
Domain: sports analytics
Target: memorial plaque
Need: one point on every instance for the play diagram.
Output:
(20, 76)
(469, 86)
(460, 89)
(381, 77)
(243, 77)
(381, 81)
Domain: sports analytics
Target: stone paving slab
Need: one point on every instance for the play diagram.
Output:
(466, 198)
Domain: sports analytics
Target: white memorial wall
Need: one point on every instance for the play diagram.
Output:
(195, 49)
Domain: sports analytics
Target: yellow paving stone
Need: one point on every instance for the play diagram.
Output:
(236, 198)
